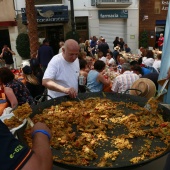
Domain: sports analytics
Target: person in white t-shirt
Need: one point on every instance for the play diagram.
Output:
(149, 59)
(109, 59)
(61, 75)
(61, 44)
(157, 62)
(101, 57)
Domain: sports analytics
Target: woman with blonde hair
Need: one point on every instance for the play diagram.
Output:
(32, 82)
(88, 49)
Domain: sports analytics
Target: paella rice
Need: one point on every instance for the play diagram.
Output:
(81, 130)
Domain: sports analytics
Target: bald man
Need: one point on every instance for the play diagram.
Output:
(61, 75)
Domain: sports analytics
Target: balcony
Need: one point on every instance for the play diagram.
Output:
(113, 3)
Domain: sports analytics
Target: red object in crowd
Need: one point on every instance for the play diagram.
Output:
(105, 76)
(15, 71)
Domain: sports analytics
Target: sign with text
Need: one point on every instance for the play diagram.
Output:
(109, 14)
(48, 14)
(165, 5)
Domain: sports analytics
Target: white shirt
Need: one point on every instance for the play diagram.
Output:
(103, 59)
(60, 50)
(147, 61)
(110, 61)
(157, 64)
(63, 73)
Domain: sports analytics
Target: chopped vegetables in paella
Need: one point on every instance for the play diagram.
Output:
(99, 132)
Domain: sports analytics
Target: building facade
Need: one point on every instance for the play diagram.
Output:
(8, 26)
(91, 18)
(152, 19)
(126, 19)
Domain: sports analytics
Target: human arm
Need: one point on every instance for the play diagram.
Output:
(115, 86)
(15, 155)
(11, 97)
(42, 156)
(51, 85)
(102, 79)
(2, 53)
(12, 52)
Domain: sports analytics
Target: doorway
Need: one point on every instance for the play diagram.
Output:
(54, 34)
(4, 38)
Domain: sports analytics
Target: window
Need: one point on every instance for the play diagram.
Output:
(81, 23)
(157, 7)
(45, 2)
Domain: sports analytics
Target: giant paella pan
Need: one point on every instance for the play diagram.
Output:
(104, 131)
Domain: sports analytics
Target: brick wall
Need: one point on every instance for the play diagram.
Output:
(147, 7)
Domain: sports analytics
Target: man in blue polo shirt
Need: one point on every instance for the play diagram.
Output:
(45, 54)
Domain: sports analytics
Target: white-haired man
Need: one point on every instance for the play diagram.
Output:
(61, 75)
(125, 80)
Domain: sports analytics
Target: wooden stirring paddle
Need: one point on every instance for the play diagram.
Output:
(153, 102)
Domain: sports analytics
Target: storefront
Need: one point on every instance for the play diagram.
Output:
(112, 23)
(152, 19)
(51, 21)
(8, 27)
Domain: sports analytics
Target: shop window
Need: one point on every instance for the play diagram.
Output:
(82, 27)
(43, 2)
(157, 7)
(81, 23)
(41, 32)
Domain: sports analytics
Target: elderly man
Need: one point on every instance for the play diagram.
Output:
(61, 75)
(125, 80)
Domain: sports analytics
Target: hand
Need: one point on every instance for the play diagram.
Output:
(71, 92)
(41, 126)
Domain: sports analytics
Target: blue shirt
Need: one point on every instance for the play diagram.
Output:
(145, 71)
(92, 84)
(13, 153)
(127, 50)
(45, 54)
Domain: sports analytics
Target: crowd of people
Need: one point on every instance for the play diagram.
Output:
(59, 74)
(127, 68)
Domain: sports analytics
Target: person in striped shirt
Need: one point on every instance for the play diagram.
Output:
(125, 80)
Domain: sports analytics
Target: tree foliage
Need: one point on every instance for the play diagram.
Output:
(143, 42)
(23, 45)
(72, 35)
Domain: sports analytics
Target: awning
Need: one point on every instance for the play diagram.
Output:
(8, 23)
(160, 22)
